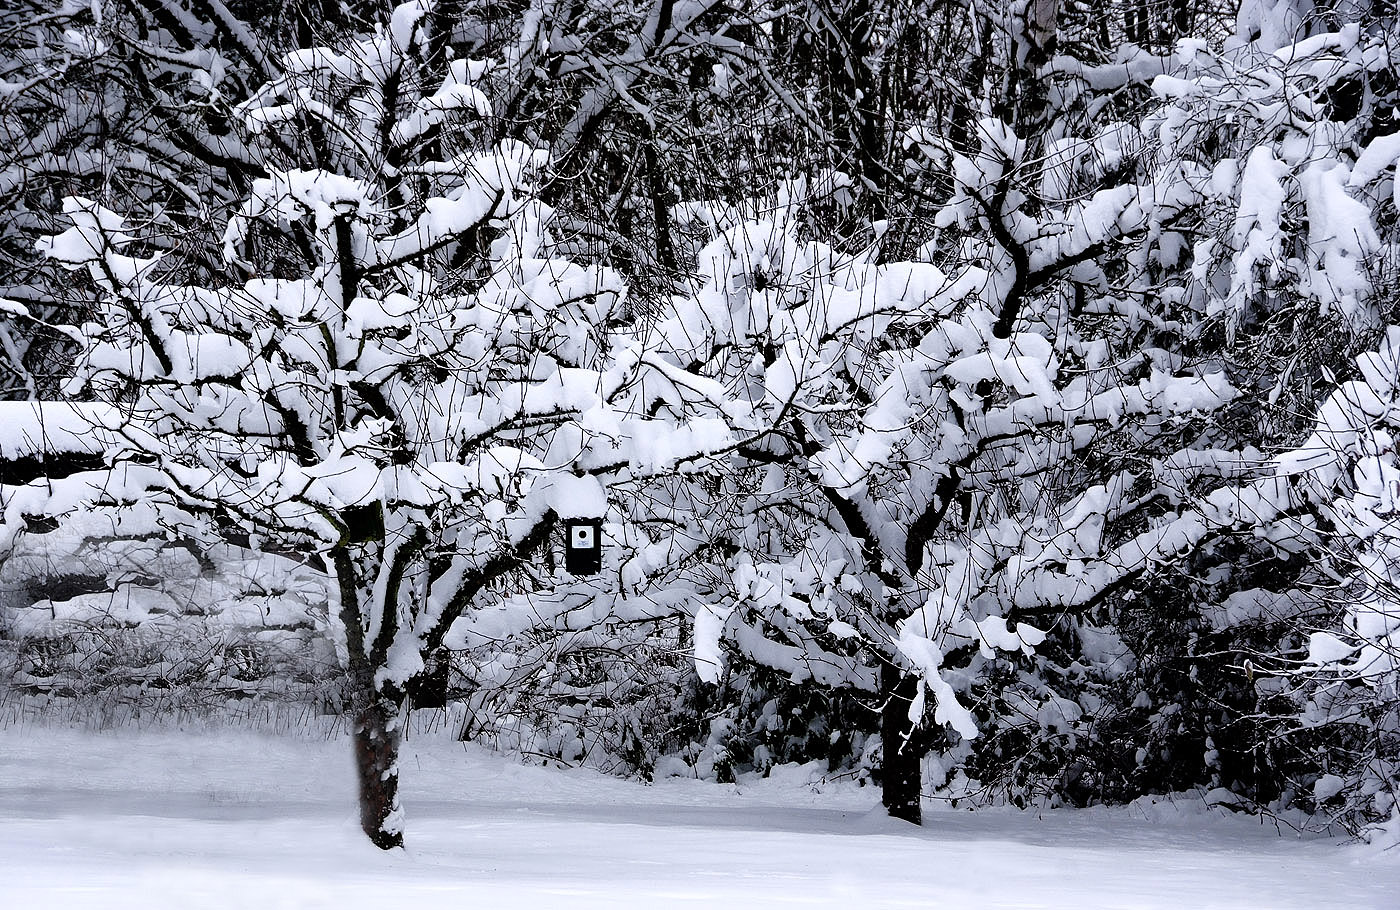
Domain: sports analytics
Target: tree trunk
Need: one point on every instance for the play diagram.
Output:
(429, 688)
(377, 737)
(856, 108)
(899, 777)
(1031, 103)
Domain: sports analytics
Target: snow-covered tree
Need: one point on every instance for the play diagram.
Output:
(934, 429)
(396, 380)
(968, 453)
(960, 395)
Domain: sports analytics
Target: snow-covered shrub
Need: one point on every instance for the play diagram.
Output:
(1273, 273)
(611, 696)
(108, 607)
(1350, 662)
(771, 721)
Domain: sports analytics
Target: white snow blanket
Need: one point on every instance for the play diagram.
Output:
(232, 820)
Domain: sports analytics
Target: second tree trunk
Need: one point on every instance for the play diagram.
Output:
(899, 777)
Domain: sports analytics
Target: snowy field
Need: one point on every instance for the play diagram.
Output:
(223, 820)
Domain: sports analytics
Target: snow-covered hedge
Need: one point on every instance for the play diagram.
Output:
(110, 606)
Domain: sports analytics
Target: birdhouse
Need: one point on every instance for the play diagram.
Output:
(583, 545)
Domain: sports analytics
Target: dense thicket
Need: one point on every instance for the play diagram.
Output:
(994, 400)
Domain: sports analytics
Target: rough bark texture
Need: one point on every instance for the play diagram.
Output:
(377, 764)
(900, 772)
(377, 709)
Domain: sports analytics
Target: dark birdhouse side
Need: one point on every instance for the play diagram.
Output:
(583, 545)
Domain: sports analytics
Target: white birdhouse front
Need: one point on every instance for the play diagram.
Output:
(583, 545)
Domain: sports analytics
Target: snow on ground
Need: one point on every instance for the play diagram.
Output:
(169, 819)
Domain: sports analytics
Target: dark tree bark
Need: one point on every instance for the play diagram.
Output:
(859, 102)
(376, 739)
(1183, 20)
(1137, 21)
(662, 198)
(429, 688)
(899, 782)
(853, 110)
(377, 709)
